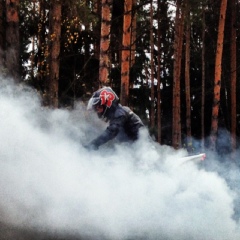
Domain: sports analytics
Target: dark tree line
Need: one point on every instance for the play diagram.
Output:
(173, 62)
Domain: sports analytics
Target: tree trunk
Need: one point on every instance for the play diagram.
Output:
(54, 50)
(178, 40)
(42, 47)
(32, 57)
(233, 76)
(203, 80)
(97, 28)
(104, 61)
(159, 122)
(175, 73)
(126, 52)
(2, 34)
(152, 118)
(217, 76)
(187, 78)
(12, 39)
(134, 32)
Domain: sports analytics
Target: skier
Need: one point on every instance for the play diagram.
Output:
(123, 123)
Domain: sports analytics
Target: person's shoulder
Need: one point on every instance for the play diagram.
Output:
(120, 111)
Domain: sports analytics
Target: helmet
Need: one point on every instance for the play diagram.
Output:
(104, 97)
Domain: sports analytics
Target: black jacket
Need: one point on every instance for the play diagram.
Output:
(123, 124)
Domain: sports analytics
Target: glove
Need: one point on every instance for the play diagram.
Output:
(91, 147)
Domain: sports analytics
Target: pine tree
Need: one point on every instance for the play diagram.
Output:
(233, 75)
(217, 75)
(2, 34)
(178, 43)
(12, 39)
(104, 61)
(126, 52)
(54, 51)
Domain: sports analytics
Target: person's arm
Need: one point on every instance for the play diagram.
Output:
(110, 133)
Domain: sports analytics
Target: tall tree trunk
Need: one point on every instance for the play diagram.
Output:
(42, 47)
(203, 79)
(152, 118)
(1, 23)
(32, 57)
(134, 32)
(97, 28)
(2, 34)
(178, 42)
(104, 61)
(54, 50)
(159, 120)
(12, 39)
(187, 78)
(217, 76)
(175, 75)
(233, 76)
(126, 52)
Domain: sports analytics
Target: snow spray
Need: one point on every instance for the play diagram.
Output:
(49, 183)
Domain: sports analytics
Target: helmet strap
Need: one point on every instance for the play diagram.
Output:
(103, 115)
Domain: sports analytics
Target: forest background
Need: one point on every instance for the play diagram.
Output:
(173, 62)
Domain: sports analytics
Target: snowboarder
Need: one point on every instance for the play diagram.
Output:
(123, 123)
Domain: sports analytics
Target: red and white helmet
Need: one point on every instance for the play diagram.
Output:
(105, 97)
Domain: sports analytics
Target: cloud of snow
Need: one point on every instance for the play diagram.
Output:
(50, 182)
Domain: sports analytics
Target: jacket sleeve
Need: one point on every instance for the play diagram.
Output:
(110, 132)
